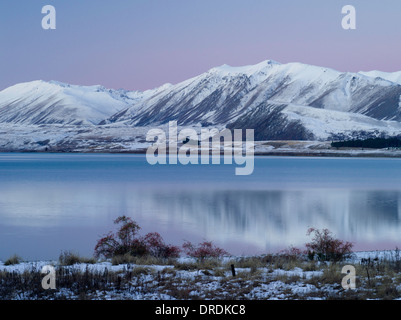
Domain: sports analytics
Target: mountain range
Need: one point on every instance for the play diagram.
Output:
(292, 101)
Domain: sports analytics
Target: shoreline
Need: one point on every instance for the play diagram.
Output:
(357, 254)
(119, 143)
(264, 277)
(350, 154)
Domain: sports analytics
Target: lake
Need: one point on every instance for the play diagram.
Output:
(55, 202)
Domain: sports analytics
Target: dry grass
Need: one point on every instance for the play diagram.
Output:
(209, 279)
(13, 260)
(68, 258)
(141, 260)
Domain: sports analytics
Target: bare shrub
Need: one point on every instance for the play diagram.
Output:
(127, 241)
(203, 250)
(326, 248)
(292, 254)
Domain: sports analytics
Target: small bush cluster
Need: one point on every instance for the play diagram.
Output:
(292, 254)
(13, 260)
(157, 248)
(326, 248)
(126, 245)
(68, 258)
(322, 247)
(203, 250)
(127, 241)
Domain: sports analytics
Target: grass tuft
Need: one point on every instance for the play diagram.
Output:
(13, 260)
(68, 258)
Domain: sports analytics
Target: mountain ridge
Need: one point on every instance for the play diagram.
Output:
(293, 100)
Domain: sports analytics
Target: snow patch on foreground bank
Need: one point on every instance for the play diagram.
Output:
(169, 282)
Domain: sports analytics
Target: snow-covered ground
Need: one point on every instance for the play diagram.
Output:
(188, 279)
(125, 139)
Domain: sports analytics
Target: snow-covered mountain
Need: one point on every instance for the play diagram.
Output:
(291, 101)
(277, 100)
(225, 93)
(40, 102)
(390, 76)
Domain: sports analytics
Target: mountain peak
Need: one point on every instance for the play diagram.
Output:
(389, 76)
(248, 70)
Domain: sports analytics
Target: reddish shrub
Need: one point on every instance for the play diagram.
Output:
(326, 247)
(157, 248)
(292, 253)
(203, 250)
(126, 241)
(128, 231)
(106, 246)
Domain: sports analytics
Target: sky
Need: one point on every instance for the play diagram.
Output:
(142, 44)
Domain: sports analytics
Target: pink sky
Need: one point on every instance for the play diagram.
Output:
(139, 45)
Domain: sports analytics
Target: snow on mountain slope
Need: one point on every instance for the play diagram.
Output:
(291, 101)
(326, 124)
(41, 102)
(225, 93)
(275, 121)
(390, 76)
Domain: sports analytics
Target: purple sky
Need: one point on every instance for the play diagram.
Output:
(141, 44)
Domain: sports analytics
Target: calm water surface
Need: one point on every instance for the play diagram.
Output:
(55, 202)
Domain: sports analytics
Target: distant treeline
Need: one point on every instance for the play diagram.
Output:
(374, 143)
